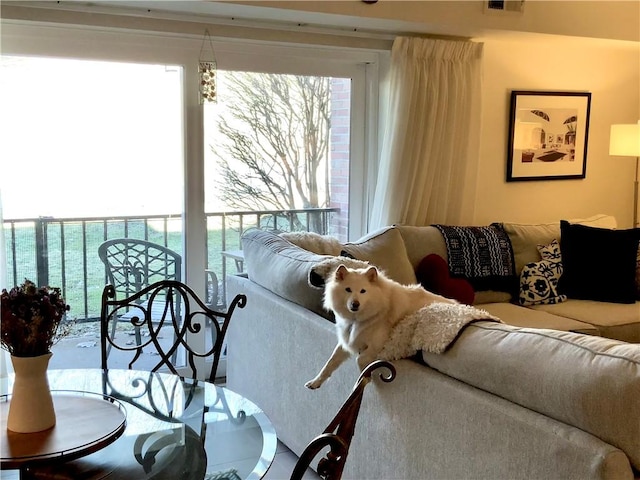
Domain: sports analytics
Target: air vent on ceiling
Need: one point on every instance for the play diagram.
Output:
(504, 5)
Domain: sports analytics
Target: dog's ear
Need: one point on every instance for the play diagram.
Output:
(341, 272)
(324, 270)
(372, 274)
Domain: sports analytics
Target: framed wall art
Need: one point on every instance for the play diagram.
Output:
(548, 134)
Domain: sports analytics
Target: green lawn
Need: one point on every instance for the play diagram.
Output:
(73, 254)
(72, 248)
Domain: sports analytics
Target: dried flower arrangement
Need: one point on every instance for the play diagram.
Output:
(31, 318)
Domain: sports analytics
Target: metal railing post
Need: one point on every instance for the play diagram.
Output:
(42, 251)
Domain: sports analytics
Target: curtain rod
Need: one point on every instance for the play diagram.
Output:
(151, 19)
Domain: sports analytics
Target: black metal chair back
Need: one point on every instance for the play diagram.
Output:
(339, 433)
(132, 264)
(160, 317)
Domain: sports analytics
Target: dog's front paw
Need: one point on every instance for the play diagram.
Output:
(313, 384)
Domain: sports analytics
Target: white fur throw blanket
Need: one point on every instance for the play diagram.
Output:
(431, 329)
(314, 242)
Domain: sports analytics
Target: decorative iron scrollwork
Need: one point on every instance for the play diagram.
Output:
(167, 303)
(339, 433)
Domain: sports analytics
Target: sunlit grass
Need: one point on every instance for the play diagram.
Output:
(72, 255)
(70, 249)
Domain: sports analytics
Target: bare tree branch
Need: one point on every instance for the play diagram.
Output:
(275, 142)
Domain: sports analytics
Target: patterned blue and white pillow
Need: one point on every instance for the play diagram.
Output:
(552, 253)
(539, 284)
(539, 280)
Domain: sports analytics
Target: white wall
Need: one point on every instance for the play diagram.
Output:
(611, 72)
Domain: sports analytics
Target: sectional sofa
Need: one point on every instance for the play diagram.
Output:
(552, 392)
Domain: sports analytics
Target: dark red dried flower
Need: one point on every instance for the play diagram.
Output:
(31, 318)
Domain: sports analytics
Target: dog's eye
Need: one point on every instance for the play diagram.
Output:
(363, 291)
(348, 289)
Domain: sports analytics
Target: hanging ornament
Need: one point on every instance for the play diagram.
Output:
(207, 69)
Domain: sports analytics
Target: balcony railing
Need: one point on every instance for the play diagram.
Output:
(63, 252)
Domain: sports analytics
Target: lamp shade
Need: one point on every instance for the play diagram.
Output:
(625, 140)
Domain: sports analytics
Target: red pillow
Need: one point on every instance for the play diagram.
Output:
(433, 274)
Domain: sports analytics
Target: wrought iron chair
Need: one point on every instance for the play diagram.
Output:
(339, 433)
(164, 454)
(132, 264)
(180, 310)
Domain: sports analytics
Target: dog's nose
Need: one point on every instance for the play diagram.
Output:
(355, 305)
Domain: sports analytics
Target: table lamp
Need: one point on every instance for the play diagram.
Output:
(625, 142)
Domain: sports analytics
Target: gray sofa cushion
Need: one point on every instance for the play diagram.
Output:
(422, 241)
(283, 268)
(613, 320)
(519, 316)
(526, 237)
(386, 250)
(586, 381)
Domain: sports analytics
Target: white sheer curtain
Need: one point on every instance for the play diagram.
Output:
(429, 153)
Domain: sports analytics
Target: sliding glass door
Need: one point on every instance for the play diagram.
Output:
(92, 151)
(277, 157)
(107, 137)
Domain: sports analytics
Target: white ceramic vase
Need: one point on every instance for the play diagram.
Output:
(31, 408)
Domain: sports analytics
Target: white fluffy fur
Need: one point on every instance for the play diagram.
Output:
(314, 242)
(367, 305)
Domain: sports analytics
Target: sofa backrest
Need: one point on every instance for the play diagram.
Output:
(277, 264)
(282, 267)
(526, 237)
(427, 240)
(286, 269)
(421, 241)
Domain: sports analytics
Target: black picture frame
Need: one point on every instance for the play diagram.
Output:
(548, 133)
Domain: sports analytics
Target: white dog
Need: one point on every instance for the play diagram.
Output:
(367, 305)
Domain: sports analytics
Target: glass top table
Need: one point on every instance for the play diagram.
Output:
(175, 429)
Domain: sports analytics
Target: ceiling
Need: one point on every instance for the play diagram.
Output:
(236, 12)
(386, 18)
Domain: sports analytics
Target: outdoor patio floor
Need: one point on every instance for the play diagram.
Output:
(81, 348)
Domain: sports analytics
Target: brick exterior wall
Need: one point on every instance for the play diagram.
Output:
(339, 156)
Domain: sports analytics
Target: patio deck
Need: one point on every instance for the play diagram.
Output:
(81, 348)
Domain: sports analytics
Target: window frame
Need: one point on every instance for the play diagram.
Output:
(114, 44)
